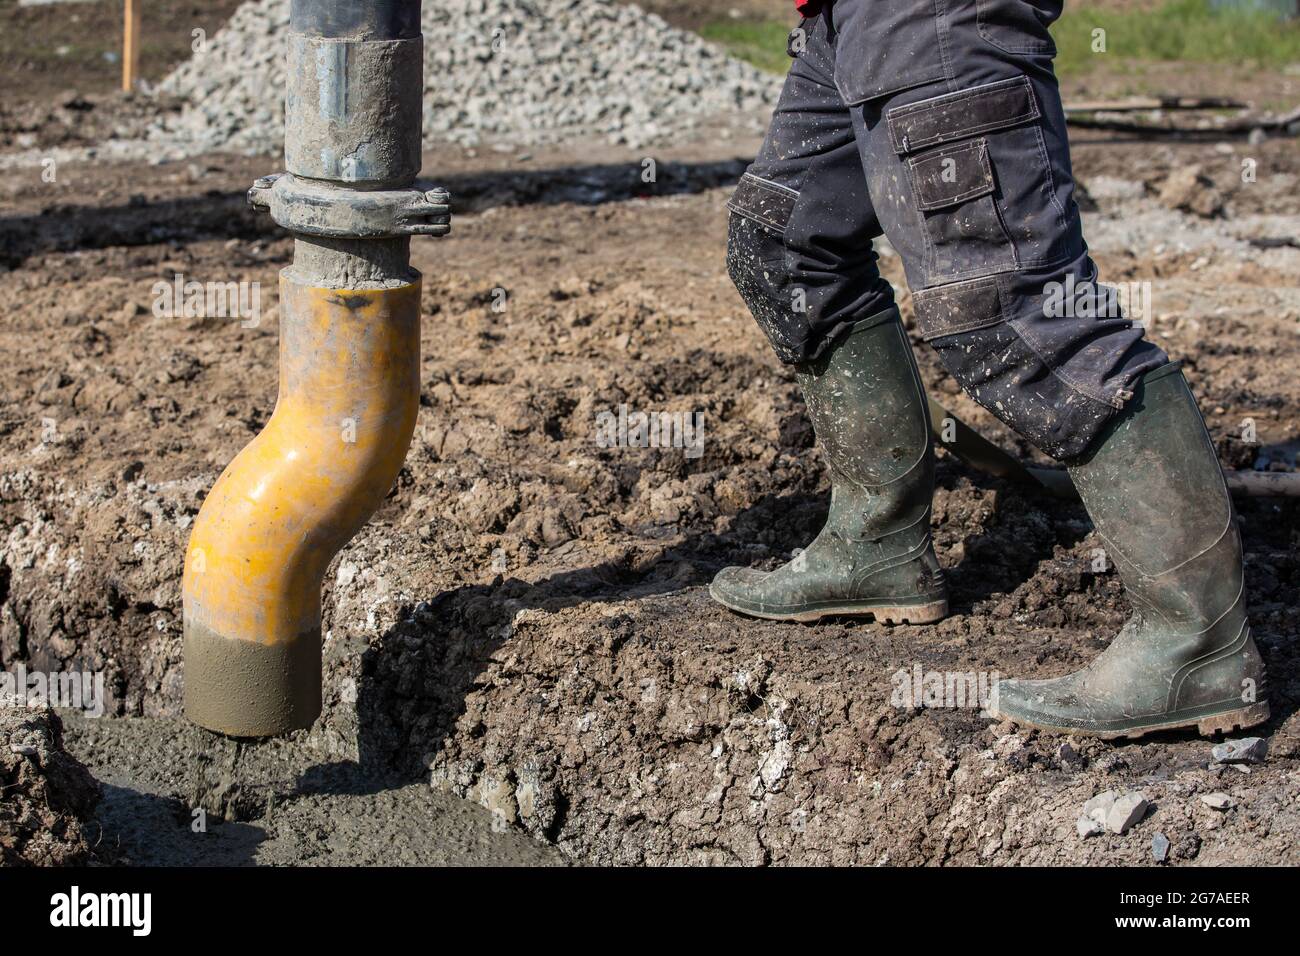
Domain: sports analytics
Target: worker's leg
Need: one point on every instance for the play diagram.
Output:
(968, 168)
(964, 145)
(800, 254)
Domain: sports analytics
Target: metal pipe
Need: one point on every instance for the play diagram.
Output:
(349, 368)
(367, 20)
(1263, 484)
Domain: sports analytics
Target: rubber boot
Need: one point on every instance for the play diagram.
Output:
(874, 556)
(1154, 489)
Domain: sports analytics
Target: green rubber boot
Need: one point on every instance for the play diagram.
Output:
(874, 556)
(1154, 489)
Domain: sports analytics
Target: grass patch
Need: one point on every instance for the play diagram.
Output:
(1186, 30)
(760, 42)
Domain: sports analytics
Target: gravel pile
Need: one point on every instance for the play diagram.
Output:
(511, 71)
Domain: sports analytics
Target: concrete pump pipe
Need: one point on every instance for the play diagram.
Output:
(349, 369)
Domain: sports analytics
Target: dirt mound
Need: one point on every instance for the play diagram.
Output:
(657, 731)
(48, 796)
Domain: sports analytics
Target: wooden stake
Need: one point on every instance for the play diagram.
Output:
(131, 45)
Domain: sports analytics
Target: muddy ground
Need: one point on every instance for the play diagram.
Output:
(525, 624)
(49, 796)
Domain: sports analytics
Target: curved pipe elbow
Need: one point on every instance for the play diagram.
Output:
(348, 399)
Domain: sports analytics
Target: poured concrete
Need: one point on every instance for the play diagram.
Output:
(246, 689)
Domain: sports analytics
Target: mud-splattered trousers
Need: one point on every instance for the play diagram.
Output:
(937, 124)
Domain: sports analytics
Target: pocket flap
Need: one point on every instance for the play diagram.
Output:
(952, 175)
(957, 307)
(953, 116)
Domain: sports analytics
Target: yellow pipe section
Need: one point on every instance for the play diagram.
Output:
(343, 420)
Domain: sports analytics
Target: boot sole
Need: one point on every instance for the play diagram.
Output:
(927, 613)
(1208, 725)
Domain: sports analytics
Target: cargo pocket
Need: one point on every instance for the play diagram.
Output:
(964, 231)
(981, 178)
(965, 323)
(756, 262)
(1018, 26)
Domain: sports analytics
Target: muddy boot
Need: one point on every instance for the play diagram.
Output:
(1156, 495)
(874, 556)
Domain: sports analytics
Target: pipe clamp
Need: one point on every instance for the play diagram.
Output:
(309, 207)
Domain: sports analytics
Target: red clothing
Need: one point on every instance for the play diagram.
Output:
(808, 8)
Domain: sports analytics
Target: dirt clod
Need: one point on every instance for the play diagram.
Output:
(48, 796)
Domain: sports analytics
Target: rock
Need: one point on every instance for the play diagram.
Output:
(1188, 189)
(1098, 808)
(1126, 811)
(1088, 827)
(1112, 811)
(556, 529)
(1244, 750)
(1218, 801)
(1160, 848)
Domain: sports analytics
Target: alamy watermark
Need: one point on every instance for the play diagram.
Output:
(73, 690)
(918, 688)
(133, 911)
(208, 300)
(1085, 299)
(623, 428)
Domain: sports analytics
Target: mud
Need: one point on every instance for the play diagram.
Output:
(176, 795)
(525, 623)
(49, 797)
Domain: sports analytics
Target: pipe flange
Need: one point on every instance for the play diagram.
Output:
(314, 208)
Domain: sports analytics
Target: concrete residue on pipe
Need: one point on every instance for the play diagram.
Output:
(353, 109)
